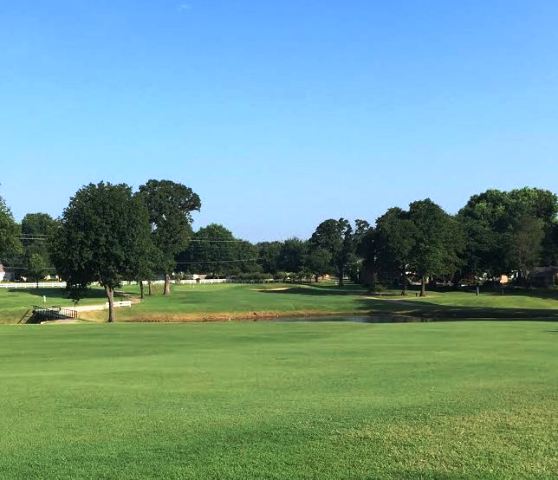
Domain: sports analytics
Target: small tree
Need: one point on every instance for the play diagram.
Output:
(36, 267)
(102, 234)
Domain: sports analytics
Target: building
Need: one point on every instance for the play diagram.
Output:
(5, 274)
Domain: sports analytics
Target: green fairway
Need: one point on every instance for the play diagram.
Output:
(280, 401)
(230, 301)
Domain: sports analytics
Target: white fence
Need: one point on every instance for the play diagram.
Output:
(32, 285)
(205, 281)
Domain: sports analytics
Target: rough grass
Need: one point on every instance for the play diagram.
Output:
(272, 400)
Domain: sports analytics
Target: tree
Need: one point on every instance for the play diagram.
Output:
(247, 255)
(335, 236)
(489, 220)
(170, 206)
(36, 230)
(102, 234)
(36, 267)
(524, 245)
(292, 255)
(9, 233)
(213, 250)
(268, 256)
(395, 240)
(318, 262)
(438, 241)
(367, 250)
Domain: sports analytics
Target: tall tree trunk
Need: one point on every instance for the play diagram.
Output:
(110, 297)
(423, 286)
(149, 287)
(141, 288)
(317, 278)
(167, 290)
(373, 281)
(341, 275)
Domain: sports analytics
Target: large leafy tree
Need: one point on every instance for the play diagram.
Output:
(170, 206)
(268, 256)
(292, 255)
(247, 257)
(395, 240)
(336, 237)
(10, 244)
(490, 221)
(524, 245)
(318, 262)
(102, 234)
(438, 241)
(212, 250)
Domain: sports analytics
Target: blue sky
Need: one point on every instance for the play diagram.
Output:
(279, 114)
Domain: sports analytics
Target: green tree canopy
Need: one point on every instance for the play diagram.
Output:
(438, 242)
(336, 237)
(102, 234)
(292, 255)
(213, 250)
(10, 244)
(490, 219)
(170, 206)
(395, 240)
(37, 230)
(268, 256)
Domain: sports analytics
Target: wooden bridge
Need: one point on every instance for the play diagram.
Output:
(41, 314)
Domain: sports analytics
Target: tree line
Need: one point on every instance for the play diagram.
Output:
(110, 233)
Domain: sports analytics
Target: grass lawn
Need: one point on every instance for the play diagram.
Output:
(272, 400)
(223, 302)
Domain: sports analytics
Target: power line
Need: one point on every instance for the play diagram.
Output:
(218, 261)
(46, 237)
(215, 241)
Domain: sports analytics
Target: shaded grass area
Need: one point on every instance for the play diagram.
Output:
(279, 400)
(232, 301)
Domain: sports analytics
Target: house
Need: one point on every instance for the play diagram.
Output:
(544, 276)
(5, 274)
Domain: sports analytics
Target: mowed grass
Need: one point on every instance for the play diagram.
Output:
(231, 301)
(272, 400)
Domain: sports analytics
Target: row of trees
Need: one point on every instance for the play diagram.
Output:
(495, 233)
(107, 234)
(110, 233)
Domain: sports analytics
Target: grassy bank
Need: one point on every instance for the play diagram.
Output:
(272, 400)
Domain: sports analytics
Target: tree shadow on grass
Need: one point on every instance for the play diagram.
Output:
(429, 310)
(51, 293)
(314, 290)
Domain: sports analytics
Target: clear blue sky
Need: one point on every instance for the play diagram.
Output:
(278, 113)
